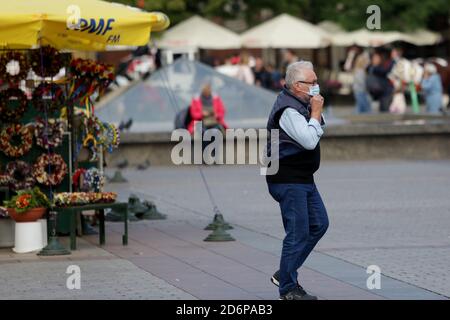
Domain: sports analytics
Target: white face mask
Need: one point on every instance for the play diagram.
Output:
(314, 90)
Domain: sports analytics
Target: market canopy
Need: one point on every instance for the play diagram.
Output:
(330, 26)
(94, 24)
(199, 33)
(152, 104)
(367, 38)
(285, 31)
(423, 38)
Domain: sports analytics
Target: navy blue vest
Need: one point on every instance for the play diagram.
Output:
(296, 164)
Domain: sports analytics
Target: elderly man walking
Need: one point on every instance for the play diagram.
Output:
(297, 113)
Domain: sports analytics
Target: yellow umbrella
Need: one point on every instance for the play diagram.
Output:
(75, 24)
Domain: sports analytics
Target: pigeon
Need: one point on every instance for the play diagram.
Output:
(144, 166)
(125, 125)
(122, 164)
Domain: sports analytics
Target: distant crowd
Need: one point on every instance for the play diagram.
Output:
(381, 74)
(384, 75)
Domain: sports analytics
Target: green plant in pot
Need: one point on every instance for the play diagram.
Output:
(28, 205)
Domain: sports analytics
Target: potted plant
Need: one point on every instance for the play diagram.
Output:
(28, 205)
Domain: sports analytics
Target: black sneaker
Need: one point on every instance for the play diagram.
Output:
(297, 294)
(276, 279)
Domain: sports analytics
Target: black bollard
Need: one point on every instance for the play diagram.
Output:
(54, 247)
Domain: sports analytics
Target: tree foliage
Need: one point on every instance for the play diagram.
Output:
(403, 15)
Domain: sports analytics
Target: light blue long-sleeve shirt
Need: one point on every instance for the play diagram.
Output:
(432, 88)
(307, 134)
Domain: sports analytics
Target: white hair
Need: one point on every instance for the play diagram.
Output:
(430, 68)
(295, 72)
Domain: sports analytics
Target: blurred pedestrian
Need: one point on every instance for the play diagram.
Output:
(244, 72)
(401, 77)
(357, 62)
(378, 84)
(207, 108)
(432, 88)
(289, 57)
(262, 76)
(276, 78)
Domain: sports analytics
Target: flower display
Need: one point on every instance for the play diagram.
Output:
(89, 76)
(4, 180)
(28, 199)
(49, 135)
(7, 138)
(93, 180)
(23, 201)
(92, 132)
(76, 177)
(8, 71)
(65, 199)
(56, 175)
(48, 97)
(8, 114)
(110, 136)
(20, 175)
(46, 61)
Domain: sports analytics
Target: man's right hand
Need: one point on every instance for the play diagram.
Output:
(316, 107)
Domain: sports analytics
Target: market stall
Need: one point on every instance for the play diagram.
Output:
(51, 142)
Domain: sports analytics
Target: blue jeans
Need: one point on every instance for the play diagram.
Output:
(434, 103)
(305, 221)
(362, 102)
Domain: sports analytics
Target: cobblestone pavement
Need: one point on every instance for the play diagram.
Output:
(103, 276)
(394, 214)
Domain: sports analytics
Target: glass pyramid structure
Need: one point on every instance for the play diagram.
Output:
(152, 104)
